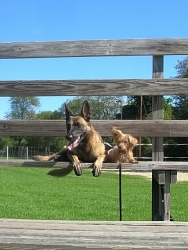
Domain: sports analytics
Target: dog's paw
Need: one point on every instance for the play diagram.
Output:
(78, 170)
(134, 161)
(96, 172)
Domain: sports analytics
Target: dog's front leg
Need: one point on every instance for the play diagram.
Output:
(76, 164)
(130, 157)
(97, 166)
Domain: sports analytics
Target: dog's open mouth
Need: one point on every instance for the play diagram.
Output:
(73, 144)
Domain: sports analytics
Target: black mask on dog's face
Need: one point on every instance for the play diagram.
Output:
(76, 125)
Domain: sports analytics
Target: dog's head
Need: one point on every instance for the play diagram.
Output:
(77, 125)
(124, 142)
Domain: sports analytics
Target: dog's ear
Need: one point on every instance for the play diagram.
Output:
(132, 142)
(116, 133)
(85, 111)
(68, 112)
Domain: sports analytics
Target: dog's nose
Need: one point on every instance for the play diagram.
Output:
(68, 137)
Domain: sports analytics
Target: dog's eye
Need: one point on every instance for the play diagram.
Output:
(68, 127)
(78, 125)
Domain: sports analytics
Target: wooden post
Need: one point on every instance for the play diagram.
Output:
(167, 195)
(157, 146)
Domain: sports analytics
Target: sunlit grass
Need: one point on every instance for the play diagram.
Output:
(30, 193)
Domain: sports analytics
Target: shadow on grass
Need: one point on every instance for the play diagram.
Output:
(60, 172)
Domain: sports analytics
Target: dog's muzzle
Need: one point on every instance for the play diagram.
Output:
(74, 142)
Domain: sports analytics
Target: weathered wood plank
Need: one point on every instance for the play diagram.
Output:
(157, 109)
(146, 166)
(150, 128)
(158, 206)
(167, 196)
(159, 176)
(33, 234)
(174, 46)
(176, 86)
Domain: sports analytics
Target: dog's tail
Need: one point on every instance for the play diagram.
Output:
(43, 158)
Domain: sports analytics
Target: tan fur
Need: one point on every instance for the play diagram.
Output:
(91, 149)
(123, 151)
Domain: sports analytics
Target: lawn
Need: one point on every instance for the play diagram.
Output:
(31, 193)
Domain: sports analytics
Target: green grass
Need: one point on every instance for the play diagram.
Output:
(30, 193)
(179, 201)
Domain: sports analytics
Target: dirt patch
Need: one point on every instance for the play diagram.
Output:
(148, 175)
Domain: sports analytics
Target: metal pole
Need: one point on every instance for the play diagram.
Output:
(7, 153)
(120, 192)
(140, 139)
(121, 104)
(27, 155)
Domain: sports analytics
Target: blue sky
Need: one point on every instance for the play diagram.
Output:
(54, 20)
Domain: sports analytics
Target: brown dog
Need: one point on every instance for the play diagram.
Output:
(123, 151)
(85, 144)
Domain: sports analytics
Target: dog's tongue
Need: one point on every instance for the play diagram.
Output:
(73, 144)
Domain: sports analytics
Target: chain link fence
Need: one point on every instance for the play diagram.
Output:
(23, 152)
(27, 153)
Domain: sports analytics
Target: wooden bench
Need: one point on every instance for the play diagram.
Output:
(80, 235)
(162, 173)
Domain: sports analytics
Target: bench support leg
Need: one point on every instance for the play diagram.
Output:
(157, 198)
(167, 195)
(161, 195)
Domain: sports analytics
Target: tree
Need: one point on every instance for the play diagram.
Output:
(182, 68)
(177, 110)
(181, 102)
(141, 108)
(22, 108)
(181, 107)
(180, 112)
(132, 110)
(50, 115)
(5, 141)
(102, 107)
(53, 144)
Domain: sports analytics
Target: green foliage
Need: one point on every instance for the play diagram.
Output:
(168, 109)
(102, 107)
(54, 144)
(22, 108)
(146, 149)
(181, 102)
(132, 110)
(182, 68)
(180, 107)
(50, 115)
(180, 112)
(5, 141)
